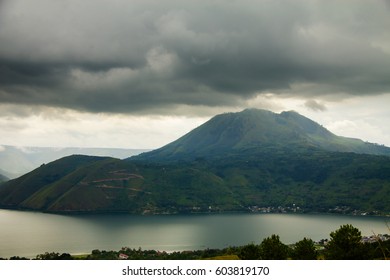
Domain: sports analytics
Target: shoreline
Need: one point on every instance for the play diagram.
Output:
(93, 213)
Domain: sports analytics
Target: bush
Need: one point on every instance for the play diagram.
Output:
(249, 252)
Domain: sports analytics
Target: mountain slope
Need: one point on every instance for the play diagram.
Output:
(16, 161)
(257, 129)
(234, 162)
(3, 178)
(90, 184)
(13, 192)
(313, 180)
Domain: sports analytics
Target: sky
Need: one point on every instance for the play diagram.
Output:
(141, 73)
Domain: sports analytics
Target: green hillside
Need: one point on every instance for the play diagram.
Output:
(249, 161)
(13, 192)
(18, 160)
(106, 184)
(313, 181)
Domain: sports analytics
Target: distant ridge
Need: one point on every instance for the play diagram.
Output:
(16, 161)
(254, 129)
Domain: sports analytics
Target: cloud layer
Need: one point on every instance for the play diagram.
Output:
(152, 56)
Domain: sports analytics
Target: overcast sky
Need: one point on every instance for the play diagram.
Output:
(139, 74)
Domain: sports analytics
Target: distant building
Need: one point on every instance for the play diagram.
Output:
(123, 256)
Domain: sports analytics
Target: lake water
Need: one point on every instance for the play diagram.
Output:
(31, 233)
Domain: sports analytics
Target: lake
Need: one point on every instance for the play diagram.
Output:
(30, 233)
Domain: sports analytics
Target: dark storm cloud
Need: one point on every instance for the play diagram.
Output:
(132, 56)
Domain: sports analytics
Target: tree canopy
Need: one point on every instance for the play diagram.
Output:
(304, 250)
(345, 244)
(271, 248)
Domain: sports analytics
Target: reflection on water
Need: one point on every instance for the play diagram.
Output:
(30, 233)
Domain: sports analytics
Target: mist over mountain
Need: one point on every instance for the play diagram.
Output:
(253, 159)
(253, 130)
(16, 161)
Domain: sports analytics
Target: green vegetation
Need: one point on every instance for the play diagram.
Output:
(16, 191)
(304, 250)
(249, 252)
(345, 243)
(315, 181)
(54, 256)
(249, 161)
(271, 248)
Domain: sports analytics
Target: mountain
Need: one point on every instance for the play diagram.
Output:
(252, 160)
(254, 129)
(3, 178)
(16, 161)
(23, 188)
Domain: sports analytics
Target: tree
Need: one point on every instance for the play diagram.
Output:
(304, 250)
(54, 256)
(345, 244)
(16, 258)
(271, 248)
(249, 252)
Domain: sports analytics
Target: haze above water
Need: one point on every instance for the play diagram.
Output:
(30, 233)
